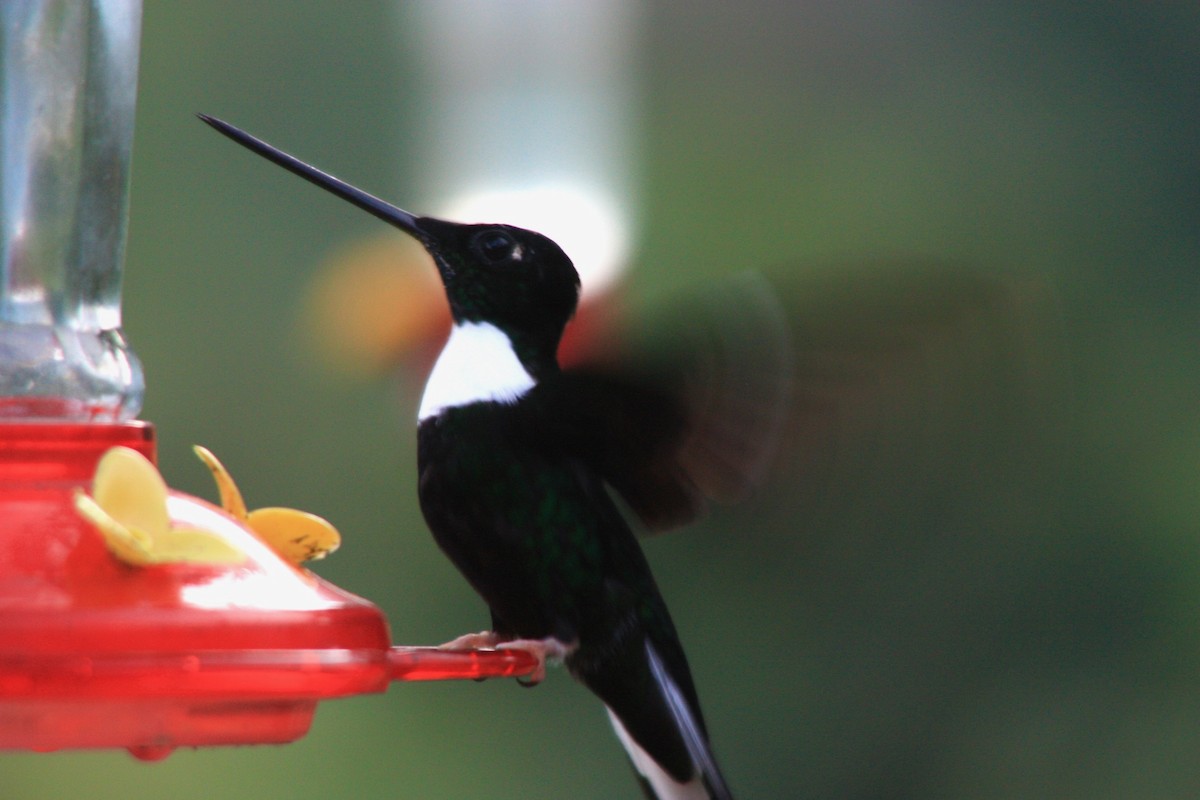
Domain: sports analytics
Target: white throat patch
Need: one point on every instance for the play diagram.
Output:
(476, 365)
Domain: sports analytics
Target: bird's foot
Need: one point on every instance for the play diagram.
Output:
(548, 649)
(473, 641)
(542, 649)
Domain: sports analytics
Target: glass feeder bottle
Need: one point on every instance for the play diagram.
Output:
(67, 96)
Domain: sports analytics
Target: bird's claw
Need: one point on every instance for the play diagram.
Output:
(542, 650)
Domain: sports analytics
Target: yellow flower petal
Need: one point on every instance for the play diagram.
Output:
(295, 535)
(131, 491)
(231, 498)
(128, 545)
(193, 546)
(128, 507)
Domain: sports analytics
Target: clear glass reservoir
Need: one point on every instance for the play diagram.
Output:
(67, 93)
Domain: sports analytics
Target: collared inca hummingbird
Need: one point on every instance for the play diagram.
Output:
(516, 459)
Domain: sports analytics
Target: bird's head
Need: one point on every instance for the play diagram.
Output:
(515, 279)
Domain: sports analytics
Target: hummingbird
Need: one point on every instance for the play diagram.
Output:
(518, 462)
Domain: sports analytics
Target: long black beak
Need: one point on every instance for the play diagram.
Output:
(367, 202)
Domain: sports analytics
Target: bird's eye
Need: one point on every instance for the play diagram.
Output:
(496, 247)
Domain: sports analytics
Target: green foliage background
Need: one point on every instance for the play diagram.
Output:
(987, 606)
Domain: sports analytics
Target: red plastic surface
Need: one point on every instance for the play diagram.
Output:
(432, 664)
(97, 653)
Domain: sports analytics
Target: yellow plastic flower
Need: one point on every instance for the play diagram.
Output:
(128, 506)
(296, 536)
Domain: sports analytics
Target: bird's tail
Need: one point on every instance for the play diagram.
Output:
(706, 783)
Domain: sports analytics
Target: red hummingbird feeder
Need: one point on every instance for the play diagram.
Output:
(95, 651)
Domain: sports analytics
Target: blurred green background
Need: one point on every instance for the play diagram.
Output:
(993, 593)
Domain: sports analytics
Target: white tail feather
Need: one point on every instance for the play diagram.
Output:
(708, 784)
(664, 786)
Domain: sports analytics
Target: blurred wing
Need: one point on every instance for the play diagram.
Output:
(686, 412)
(755, 381)
(628, 431)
